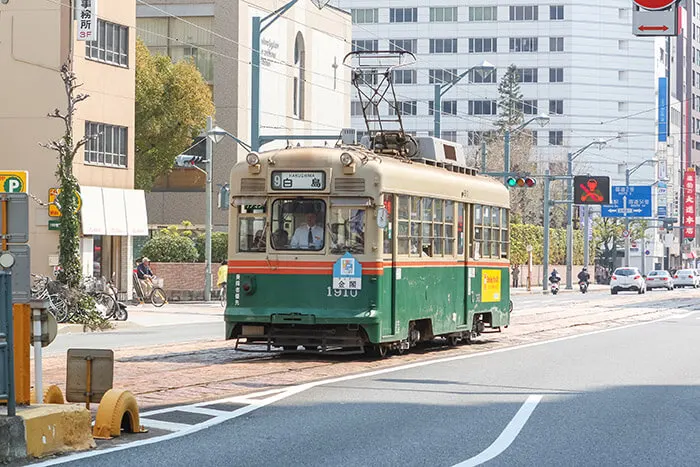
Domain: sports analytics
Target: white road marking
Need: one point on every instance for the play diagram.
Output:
(163, 425)
(508, 435)
(206, 411)
(306, 386)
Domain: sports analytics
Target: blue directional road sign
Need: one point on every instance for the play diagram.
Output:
(638, 202)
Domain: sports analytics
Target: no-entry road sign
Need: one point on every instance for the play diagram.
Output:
(654, 4)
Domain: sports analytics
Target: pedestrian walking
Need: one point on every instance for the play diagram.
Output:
(515, 272)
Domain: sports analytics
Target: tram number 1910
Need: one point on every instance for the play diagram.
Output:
(341, 292)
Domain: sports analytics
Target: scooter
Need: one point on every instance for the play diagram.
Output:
(583, 286)
(554, 287)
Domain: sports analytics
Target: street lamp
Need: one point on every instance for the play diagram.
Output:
(259, 25)
(541, 119)
(441, 89)
(628, 173)
(600, 143)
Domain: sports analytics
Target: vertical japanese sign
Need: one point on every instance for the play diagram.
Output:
(86, 16)
(689, 204)
(663, 110)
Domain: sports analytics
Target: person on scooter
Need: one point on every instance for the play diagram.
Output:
(583, 276)
(554, 277)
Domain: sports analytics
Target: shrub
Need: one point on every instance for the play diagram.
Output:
(219, 246)
(170, 248)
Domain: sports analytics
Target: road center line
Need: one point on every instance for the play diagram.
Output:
(508, 435)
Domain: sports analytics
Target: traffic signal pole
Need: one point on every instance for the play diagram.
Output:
(207, 240)
(545, 253)
(569, 221)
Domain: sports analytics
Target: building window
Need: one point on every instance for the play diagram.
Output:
(404, 76)
(483, 13)
(439, 76)
(299, 79)
(524, 13)
(356, 110)
(483, 44)
(556, 107)
(556, 12)
(523, 44)
(556, 44)
(365, 15)
(482, 107)
(403, 45)
(403, 15)
(443, 14)
(529, 106)
(526, 75)
(108, 145)
(475, 138)
(482, 75)
(556, 138)
(534, 138)
(111, 45)
(446, 108)
(405, 107)
(449, 135)
(181, 38)
(556, 75)
(443, 46)
(622, 75)
(362, 45)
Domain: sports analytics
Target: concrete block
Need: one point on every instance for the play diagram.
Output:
(12, 443)
(53, 429)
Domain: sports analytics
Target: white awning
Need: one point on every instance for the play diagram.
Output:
(113, 211)
(136, 214)
(92, 213)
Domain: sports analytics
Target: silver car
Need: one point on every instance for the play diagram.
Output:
(686, 278)
(659, 280)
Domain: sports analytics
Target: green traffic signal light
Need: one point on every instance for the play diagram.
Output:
(520, 182)
(512, 182)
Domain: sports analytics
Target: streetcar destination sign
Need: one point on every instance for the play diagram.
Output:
(298, 180)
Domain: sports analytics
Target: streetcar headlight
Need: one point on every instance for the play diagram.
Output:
(252, 158)
(346, 159)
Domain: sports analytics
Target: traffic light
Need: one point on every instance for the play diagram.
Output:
(591, 190)
(668, 224)
(184, 160)
(528, 182)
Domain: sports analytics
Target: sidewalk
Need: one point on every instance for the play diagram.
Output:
(537, 289)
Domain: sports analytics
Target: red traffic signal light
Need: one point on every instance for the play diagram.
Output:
(528, 182)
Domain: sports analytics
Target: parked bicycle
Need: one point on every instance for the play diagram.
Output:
(155, 294)
(222, 295)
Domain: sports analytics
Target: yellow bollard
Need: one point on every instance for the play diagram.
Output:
(110, 419)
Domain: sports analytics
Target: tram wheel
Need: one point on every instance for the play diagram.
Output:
(377, 351)
(452, 341)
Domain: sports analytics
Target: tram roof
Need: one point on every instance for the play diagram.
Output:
(395, 175)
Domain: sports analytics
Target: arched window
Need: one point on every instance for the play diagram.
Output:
(299, 64)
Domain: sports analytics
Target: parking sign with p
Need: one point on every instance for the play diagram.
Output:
(14, 181)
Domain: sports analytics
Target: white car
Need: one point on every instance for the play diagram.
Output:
(627, 279)
(686, 278)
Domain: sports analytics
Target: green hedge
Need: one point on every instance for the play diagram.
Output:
(522, 235)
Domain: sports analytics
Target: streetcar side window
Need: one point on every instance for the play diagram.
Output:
(403, 230)
(449, 228)
(251, 228)
(389, 230)
(298, 224)
(347, 230)
(491, 238)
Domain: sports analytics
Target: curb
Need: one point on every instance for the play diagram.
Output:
(538, 291)
(71, 328)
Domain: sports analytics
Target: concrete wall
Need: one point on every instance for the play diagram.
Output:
(183, 281)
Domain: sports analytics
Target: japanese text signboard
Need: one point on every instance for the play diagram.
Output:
(86, 16)
(689, 204)
(347, 273)
(629, 201)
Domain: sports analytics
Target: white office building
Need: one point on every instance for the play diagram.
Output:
(579, 62)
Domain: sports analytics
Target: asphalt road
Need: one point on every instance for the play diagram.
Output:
(629, 396)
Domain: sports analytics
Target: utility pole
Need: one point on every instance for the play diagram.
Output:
(627, 219)
(586, 240)
(545, 252)
(569, 220)
(506, 157)
(207, 241)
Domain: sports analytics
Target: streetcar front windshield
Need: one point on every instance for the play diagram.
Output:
(298, 224)
(347, 229)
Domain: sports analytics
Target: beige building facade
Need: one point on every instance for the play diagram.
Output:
(36, 39)
(305, 89)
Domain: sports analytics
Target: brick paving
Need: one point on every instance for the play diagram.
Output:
(176, 374)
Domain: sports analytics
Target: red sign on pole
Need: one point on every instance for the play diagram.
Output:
(654, 4)
(689, 203)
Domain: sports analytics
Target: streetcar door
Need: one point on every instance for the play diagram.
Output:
(463, 254)
(389, 255)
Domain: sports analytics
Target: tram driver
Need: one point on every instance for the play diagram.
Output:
(309, 236)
